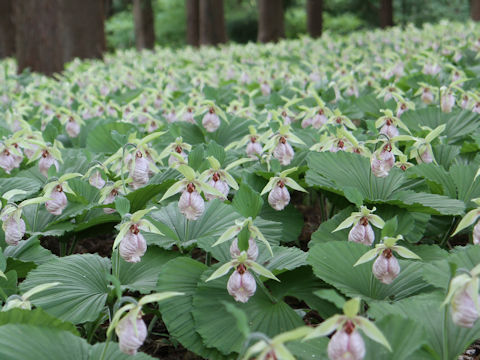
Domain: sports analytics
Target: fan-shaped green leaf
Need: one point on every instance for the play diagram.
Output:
(83, 288)
(333, 263)
(143, 276)
(182, 274)
(101, 140)
(36, 317)
(263, 315)
(425, 310)
(28, 342)
(405, 336)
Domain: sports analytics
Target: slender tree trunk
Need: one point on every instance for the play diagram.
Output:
(193, 22)
(386, 13)
(475, 10)
(82, 28)
(7, 29)
(314, 17)
(37, 40)
(270, 20)
(144, 24)
(212, 22)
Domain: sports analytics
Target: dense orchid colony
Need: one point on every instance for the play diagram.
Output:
(246, 201)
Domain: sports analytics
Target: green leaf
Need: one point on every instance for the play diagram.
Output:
(37, 317)
(29, 342)
(289, 219)
(122, 205)
(216, 218)
(29, 251)
(263, 315)
(240, 316)
(8, 286)
(83, 288)
(333, 263)
(217, 151)
(337, 171)
(247, 201)
(196, 157)
(182, 274)
(425, 310)
(113, 353)
(437, 273)
(404, 335)
(353, 195)
(100, 139)
(390, 227)
(20, 183)
(143, 276)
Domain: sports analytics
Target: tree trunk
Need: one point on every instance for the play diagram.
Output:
(475, 10)
(314, 17)
(37, 40)
(7, 29)
(212, 22)
(82, 29)
(144, 24)
(386, 13)
(270, 20)
(193, 23)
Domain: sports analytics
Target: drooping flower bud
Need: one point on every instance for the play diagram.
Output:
(7, 161)
(14, 229)
(72, 127)
(96, 180)
(426, 156)
(427, 96)
(241, 284)
(46, 161)
(464, 312)
(58, 201)
(254, 148)
(279, 196)
(130, 340)
(346, 343)
(476, 233)
(211, 121)
(173, 160)
(306, 122)
(283, 151)
(109, 200)
(191, 203)
(219, 185)
(252, 252)
(401, 109)
(389, 129)
(319, 119)
(265, 89)
(188, 116)
(447, 101)
(133, 245)
(362, 233)
(139, 173)
(382, 163)
(386, 267)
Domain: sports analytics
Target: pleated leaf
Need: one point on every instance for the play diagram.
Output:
(83, 288)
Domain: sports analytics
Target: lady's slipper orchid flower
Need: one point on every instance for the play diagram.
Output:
(362, 231)
(279, 196)
(347, 343)
(128, 324)
(55, 191)
(386, 267)
(464, 298)
(191, 204)
(132, 245)
(11, 215)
